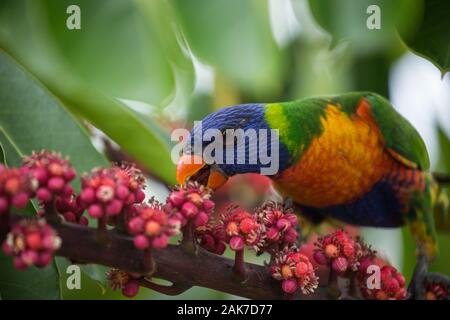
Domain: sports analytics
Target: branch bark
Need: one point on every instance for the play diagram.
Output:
(174, 263)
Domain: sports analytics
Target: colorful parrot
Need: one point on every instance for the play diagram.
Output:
(349, 157)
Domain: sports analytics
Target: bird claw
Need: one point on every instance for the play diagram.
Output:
(422, 279)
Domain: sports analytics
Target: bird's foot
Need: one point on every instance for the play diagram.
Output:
(428, 285)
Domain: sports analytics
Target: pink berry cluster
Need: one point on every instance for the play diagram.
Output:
(191, 202)
(152, 226)
(295, 270)
(392, 284)
(340, 251)
(16, 188)
(53, 174)
(108, 191)
(211, 238)
(71, 210)
(124, 281)
(31, 242)
(242, 229)
(279, 224)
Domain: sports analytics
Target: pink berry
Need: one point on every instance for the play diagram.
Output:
(237, 243)
(114, 207)
(34, 241)
(56, 184)
(141, 242)
(340, 264)
(70, 174)
(44, 259)
(20, 200)
(87, 195)
(289, 286)
(290, 235)
(208, 205)
(320, 258)
(160, 242)
(177, 198)
(131, 289)
(140, 196)
(41, 175)
(122, 192)
(201, 219)
(136, 225)
(189, 209)
(95, 211)
(29, 257)
(44, 195)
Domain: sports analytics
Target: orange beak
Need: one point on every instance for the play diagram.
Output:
(189, 165)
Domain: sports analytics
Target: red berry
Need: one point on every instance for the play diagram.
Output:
(136, 225)
(56, 184)
(131, 289)
(141, 242)
(44, 195)
(340, 264)
(95, 211)
(201, 219)
(160, 242)
(34, 241)
(320, 258)
(122, 192)
(140, 196)
(20, 200)
(289, 286)
(177, 198)
(189, 209)
(237, 243)
(87, 195)
(114, 208)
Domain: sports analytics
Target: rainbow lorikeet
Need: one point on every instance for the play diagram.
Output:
(350, 157)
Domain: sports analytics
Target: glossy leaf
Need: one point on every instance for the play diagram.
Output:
(32, 119)
(32, 283)
(431, 37)
(234, 37)
(348, 20)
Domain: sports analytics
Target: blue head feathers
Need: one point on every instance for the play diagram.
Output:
(247, 140)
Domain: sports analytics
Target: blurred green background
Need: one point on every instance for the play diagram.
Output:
(137, 69)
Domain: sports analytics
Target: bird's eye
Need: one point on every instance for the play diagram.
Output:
(244, 121)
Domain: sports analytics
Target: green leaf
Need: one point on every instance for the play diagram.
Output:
(235, 37)
(32, 119)
(431, 37)
(346, 20)
(119, 49)
(32, 283)
(144, 142)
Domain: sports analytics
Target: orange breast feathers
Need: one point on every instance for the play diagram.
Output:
(340, 165)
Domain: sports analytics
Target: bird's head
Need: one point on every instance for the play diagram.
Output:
(231, 141)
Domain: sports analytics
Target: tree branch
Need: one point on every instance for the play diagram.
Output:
(173, 263)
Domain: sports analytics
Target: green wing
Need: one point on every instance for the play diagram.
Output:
(400, 136)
